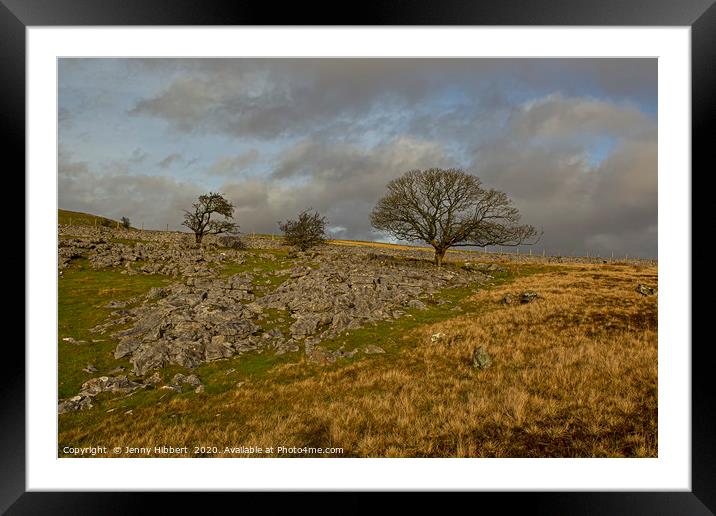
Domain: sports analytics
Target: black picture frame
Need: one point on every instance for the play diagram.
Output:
(700, 15)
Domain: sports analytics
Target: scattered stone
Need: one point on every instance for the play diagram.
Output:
(372, 349)
(482, 267)
(524, 298)
(645, 290)
(72, 340)
(90, 369)
(116, 304)
(239, 384)
(155, 379)
(74, 403)
(114, 384)
(175, 388)
(528, 297)
(321, 356)
(436, 337)
(206, 317)
(480, 358)
(199, 389)
(339, 353)
(180, 379)
(255, 308)
(115, 371)
(156, 293)
(93, 387)
(289, 346)
(126, 346)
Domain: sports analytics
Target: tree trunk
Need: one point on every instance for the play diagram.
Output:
(439, 255)
(198, 237)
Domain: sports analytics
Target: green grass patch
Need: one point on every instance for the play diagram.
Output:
(83, 293)
(77, 218)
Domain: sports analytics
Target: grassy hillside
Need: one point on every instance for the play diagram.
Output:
(77, 218)
(573, 375)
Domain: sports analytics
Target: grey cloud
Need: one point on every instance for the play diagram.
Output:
(580, 160)
(170, 160)
(342, 182)
(557, 116)
(231, 165)
(581, 206)
(275, 97)
(152, 201)
(138, 156)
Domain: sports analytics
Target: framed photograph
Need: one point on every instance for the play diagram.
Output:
(407, 251)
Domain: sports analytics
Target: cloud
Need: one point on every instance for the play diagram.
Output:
(138, 156)
(232, 165)
(272, 98)
(572, 141)
(342, 182)
(170, 160)
(152, 201)
(564, 118)
(582, 205)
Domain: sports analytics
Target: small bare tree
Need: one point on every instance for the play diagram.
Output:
(200, 222)
(448, 208)
(307, 231)
(125, 223)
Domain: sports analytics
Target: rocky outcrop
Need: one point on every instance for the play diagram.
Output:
(321, 294)
(95, 386)
(324, 294)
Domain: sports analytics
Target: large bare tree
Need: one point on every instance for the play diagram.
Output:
(200, 222)
(448, 208)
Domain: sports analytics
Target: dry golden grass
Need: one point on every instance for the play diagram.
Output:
(574, 374)
(380, 245)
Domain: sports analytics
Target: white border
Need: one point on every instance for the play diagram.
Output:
(671, 471)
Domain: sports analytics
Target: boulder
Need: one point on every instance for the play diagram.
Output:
(218, 347)
(481, 359)
(645, 290)
(528, 297)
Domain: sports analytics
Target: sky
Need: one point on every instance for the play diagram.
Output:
(573, 142)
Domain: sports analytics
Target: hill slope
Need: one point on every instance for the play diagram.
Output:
(77, 218)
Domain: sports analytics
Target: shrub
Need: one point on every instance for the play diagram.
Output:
(309, 230)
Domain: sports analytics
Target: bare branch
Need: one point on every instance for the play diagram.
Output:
(447, 208)
(200, 222)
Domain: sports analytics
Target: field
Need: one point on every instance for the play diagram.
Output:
(573, 373)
